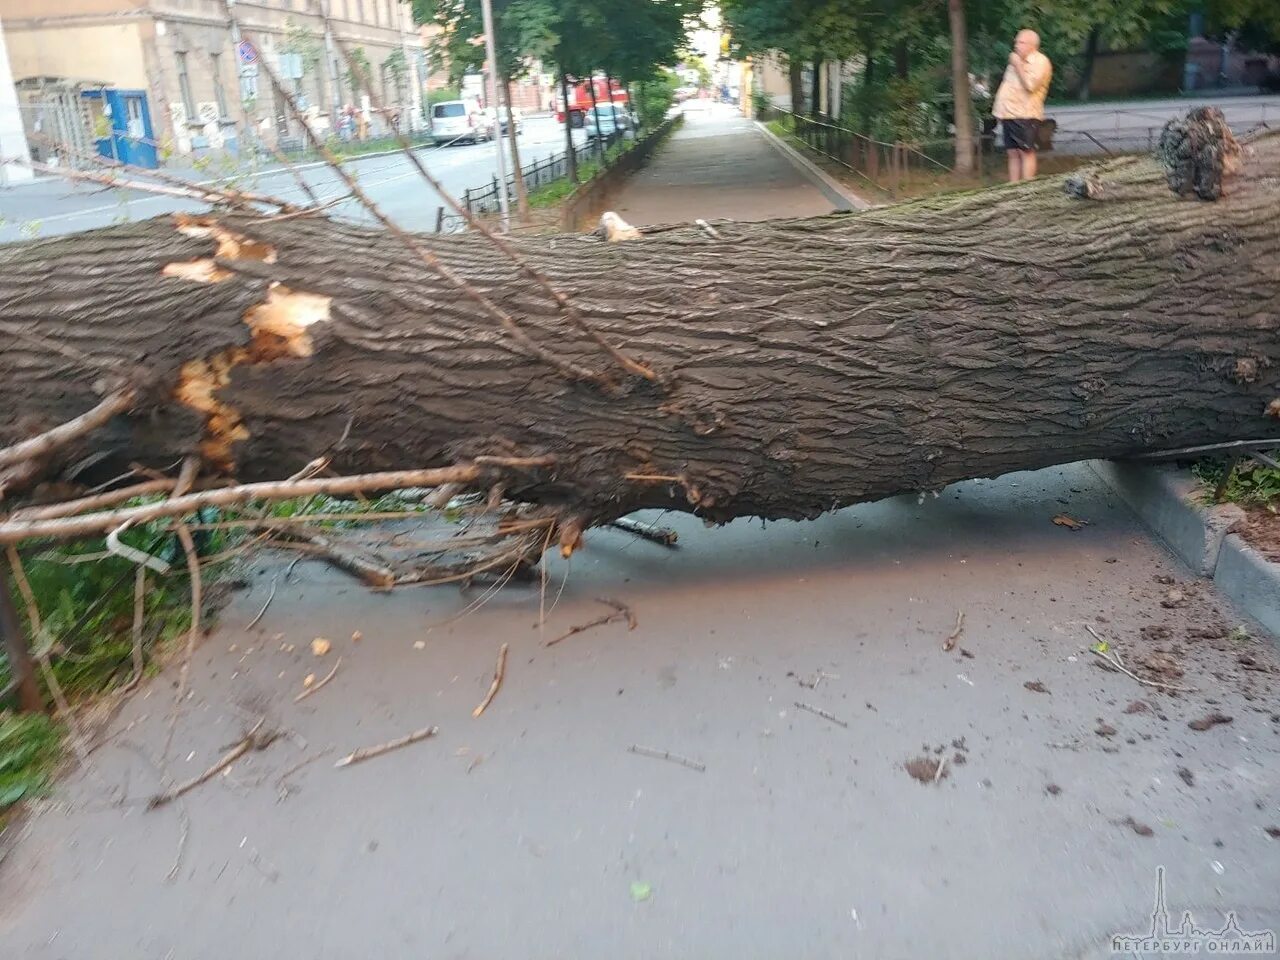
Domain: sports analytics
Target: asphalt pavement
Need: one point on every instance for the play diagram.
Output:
(51, 206)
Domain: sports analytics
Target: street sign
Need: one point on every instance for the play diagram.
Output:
(247, 52)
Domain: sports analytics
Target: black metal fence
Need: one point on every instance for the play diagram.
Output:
(539, 173)
(902, 167)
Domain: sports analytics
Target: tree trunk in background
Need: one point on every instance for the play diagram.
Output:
(522, 193)
(808, 365)
(1086, 68)
(795, 74)
(868, 98)
(571, 158)
(960, 87)
(816, 104)
(901, 60)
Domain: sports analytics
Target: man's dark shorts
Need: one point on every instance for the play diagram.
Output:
(1020, 134)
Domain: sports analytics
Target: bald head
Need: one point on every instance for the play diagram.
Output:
(1026, 43)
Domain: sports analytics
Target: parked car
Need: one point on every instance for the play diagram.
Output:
(454, 120)
(500, 121)
(606, 119)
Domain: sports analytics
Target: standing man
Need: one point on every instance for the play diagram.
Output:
(1019, 104)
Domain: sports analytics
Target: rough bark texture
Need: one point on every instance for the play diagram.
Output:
(805, 364)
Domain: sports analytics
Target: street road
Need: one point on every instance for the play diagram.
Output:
(54, 206)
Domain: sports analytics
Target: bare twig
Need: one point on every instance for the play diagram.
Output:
(562, 301)
(568, 368)
(69, 508)
(664, 536)
(666, 755)
(950, 643)
(197, 600)
(14, 530)
(223, 193)
(499, 672)
(620, 611)
(822, 713)
(270, 596)
(1114, 664)
(368, 753)
(46, 443)
(312, 689)
(942, 768)
(375, 575)
(139, 609)
(251, 740)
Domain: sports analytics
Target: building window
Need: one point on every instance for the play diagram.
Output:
(219, 91)
(184, 86)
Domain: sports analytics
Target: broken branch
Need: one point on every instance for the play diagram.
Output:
(310, 690)
(620, 611)
(46, 443)
(368, 753)
(498, 674)
(666, 755)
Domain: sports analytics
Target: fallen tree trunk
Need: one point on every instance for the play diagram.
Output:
(797, 366)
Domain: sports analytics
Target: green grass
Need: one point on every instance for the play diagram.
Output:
(553, 194)
(29, 750)
(1251, 485)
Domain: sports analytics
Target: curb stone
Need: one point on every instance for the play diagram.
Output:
(844, 199)
(1251, 580)
(1164, 498)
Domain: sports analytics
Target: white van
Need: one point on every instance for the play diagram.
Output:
(454, 120)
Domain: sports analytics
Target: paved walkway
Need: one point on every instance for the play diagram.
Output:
(719, 166)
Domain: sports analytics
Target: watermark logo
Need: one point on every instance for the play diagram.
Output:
(1187, 938)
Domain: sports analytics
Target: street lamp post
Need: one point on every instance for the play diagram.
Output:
(486, 7)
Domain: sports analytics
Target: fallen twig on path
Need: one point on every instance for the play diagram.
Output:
(666, 755)
(185, 478)
(1115, 663)
(312, 689)
(368, 753)
(271, 596)
(620, 611)
(663, 536)
(251, 740)
(499, 672)
(822, 713)
(950, 643)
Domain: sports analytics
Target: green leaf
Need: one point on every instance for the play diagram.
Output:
(640, 891)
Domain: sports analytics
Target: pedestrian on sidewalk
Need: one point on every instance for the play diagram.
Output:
(1019, 104)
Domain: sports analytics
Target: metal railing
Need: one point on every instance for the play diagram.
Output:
(900, 167)
(539, 173)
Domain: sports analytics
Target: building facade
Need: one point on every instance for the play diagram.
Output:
(200, 79)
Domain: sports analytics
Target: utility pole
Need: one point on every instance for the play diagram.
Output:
(491, 48)
(413, 81)
(331, 58)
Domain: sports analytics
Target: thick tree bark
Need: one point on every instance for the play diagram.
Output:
(802, 365)
(960, 86)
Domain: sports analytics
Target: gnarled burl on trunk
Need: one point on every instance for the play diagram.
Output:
(800, 365)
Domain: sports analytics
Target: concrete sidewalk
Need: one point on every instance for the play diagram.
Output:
(719, 166)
